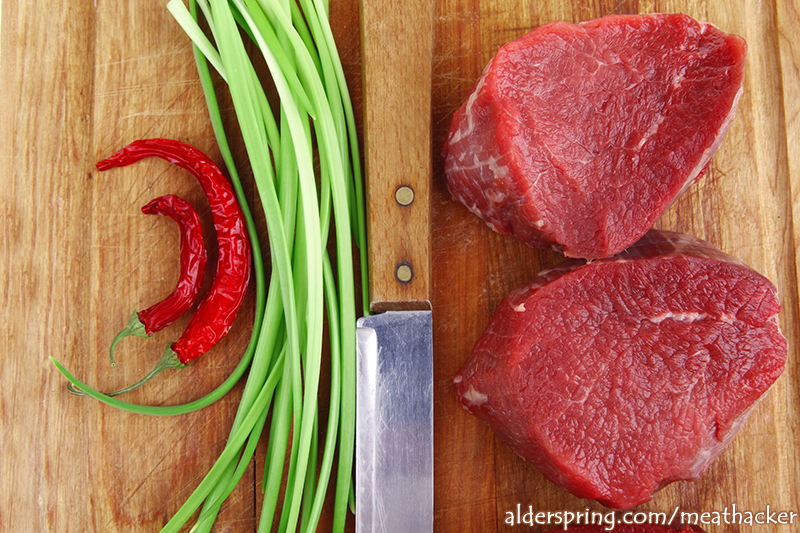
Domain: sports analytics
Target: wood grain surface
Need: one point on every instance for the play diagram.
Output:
(82, 78)
(397, 150)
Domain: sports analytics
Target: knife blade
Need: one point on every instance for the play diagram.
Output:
(394, 412)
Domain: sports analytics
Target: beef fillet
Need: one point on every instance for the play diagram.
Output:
(579, 136)
(618, 376)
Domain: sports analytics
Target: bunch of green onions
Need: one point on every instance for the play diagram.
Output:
(305, 200)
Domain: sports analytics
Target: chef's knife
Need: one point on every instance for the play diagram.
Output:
(394, 427)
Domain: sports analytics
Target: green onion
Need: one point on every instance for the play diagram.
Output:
(306, 200)
(302, 203)
(306, 167)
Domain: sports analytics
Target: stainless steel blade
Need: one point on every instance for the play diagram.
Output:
(394, 423)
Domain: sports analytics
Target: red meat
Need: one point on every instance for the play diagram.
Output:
(621, 375)
(579, 136)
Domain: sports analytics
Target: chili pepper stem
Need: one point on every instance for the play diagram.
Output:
(168, 360)
(134, 327)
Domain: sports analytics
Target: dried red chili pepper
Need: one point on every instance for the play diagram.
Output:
(215, 314)
(193, 257)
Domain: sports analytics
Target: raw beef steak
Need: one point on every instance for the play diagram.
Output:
(618, 376)
(579, 136)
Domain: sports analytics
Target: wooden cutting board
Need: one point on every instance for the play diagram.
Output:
(82, 78)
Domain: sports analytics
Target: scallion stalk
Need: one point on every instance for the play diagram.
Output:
(302, 202)
(306, 169)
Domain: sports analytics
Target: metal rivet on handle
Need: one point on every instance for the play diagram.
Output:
(404, 195)
(404, 273)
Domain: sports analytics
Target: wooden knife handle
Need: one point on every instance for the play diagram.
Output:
(397, 52)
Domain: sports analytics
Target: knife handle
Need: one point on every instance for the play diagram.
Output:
(397, 52)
